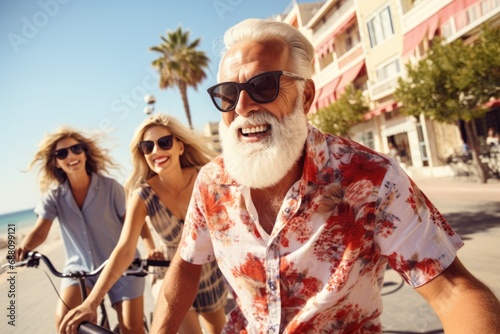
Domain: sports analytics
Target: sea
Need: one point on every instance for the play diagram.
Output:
(21, 219)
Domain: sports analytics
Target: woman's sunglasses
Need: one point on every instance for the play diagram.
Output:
(62, 153)
(262, 88)
(165, 143)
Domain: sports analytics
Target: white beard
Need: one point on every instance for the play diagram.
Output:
(263, 164)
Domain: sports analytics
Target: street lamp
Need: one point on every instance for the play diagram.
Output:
(150, 100)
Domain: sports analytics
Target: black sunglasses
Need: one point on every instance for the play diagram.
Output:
(262, 88)
(62, 153)
(165, 143)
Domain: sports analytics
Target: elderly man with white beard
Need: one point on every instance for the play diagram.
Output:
(303, 224)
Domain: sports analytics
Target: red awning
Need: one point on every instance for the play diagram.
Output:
(383, 108)
(417, 34)
(327, 44)
(430, 26)
(327, 93)
(492, 103)
(341, 28)
(349, 76)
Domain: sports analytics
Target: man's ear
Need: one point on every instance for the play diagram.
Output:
(309, 93)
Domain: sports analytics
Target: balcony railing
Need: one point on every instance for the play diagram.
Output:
(383, 88)
(351, 55)
(469, 18)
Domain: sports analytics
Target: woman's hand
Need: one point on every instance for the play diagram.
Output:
(75, 317)
(21, 253)
(156, 255)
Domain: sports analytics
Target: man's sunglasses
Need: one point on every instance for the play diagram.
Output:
(262, 88)
(62, 153)
(165, 143)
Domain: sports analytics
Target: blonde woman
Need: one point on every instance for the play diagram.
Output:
(166, 158)
(90, 209)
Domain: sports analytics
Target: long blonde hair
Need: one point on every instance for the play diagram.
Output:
(98, 160)
(196, 149)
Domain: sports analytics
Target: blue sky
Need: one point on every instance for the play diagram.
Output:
(87, 64)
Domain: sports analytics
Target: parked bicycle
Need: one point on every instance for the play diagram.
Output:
(138, 267)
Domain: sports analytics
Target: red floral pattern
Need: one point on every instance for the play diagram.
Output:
(353, 211)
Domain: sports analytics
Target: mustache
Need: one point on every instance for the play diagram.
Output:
(257, 118)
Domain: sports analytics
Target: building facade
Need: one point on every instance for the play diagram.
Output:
(367, 44)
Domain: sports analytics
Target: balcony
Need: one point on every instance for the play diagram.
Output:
(334, 69)
(351, 56)
(383, 88)
(469, 18)
(330, 19)
(421, 12)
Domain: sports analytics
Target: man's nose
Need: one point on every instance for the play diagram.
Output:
(245, 104)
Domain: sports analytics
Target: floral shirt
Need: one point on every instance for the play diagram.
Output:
(321, 269)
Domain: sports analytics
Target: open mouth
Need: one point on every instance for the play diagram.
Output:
(254, 130)
(160, 160)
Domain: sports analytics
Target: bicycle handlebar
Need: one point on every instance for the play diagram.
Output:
(90, 328)
(137, 268)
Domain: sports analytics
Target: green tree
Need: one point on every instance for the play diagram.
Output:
(180, 64)
(453, 82)
(338, 117)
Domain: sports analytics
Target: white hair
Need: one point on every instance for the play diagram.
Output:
(259, 30)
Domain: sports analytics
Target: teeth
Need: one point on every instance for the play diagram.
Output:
(73, 163)
(255, 129)
(160, 160)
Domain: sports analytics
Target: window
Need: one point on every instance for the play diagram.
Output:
(352, 37)
(389, 70)
(366, 139)
(380, 27)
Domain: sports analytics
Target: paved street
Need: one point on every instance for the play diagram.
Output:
(473, 210)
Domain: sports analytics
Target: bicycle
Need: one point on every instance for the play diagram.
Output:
(139, 267)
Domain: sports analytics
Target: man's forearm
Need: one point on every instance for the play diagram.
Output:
(476, 310)
(176, 296)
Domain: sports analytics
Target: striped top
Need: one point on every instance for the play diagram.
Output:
(212, 291)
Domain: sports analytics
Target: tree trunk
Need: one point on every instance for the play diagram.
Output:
(473, 143)
(183, 89)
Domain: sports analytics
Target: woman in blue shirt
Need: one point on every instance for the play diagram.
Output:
(90, 209)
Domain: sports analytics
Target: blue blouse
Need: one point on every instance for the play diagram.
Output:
(89, 234)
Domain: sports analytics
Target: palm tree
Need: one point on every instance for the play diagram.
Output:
(180, 64)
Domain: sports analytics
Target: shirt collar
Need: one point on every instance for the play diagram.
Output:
(94, 184)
